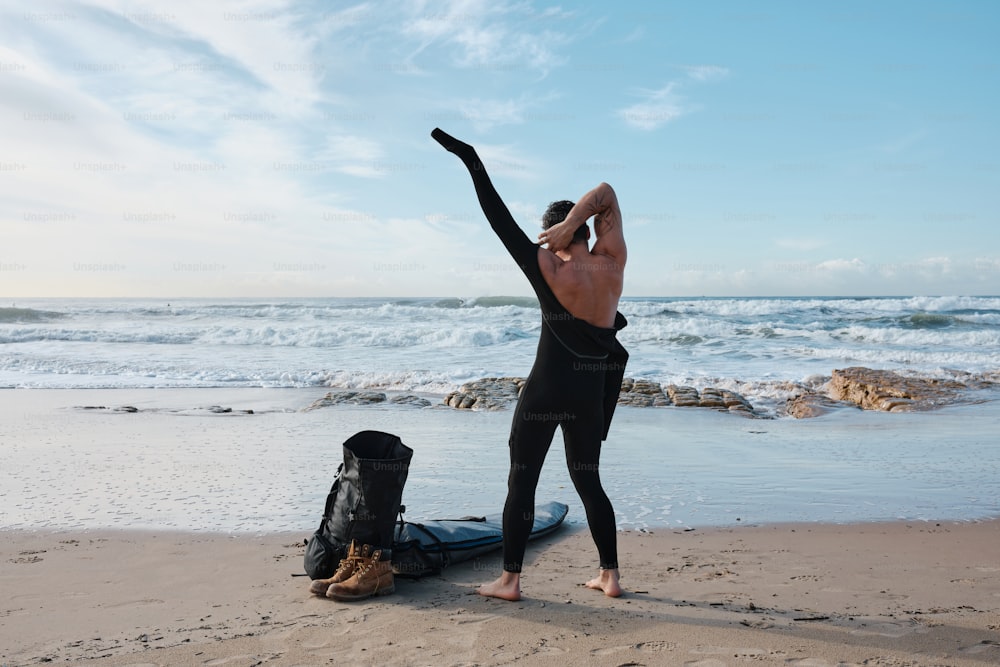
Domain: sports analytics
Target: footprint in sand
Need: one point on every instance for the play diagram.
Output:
(611, 650)
(987, 645)
(134, 603)
(548, 650)
(25, 560)
(241, 659)
(656, 646)
(890, 629)
(463, 618)
(755, 653)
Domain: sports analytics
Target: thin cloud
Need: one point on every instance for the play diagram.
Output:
(657, 109)
(353, 155)
(489, 36)
(487, 114)
(263, 41)
(842, 266)
(505, 161)
(706, 72)
(665, 104)
(635, 35)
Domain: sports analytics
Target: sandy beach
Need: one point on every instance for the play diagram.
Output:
(896, 593)
(170, 534)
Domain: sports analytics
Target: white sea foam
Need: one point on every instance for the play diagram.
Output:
(433, 345)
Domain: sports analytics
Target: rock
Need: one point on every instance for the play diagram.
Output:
(661, 401)
(410, 399)
(635, 400)
(121, 408)
(737, 404)
(732, 400)
(486, 394)
(723, 399)
(348, 397)
(812, 404)
(889, 391)
(642, 394)
(711, 398)
(683, 396)
(497, 393)
(646, 387)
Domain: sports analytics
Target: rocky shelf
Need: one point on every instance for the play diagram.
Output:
(499, 392)
(887, 391)
(849, 388)
(366, 398)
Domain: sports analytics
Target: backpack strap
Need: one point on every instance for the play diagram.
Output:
(332, 496)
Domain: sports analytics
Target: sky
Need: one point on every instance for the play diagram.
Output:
(282, 149)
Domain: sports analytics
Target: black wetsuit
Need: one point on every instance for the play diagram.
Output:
(574, 383)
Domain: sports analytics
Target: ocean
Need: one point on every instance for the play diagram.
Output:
(759, 347)
(267, 465)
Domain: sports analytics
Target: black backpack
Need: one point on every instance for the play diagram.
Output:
(363, 502)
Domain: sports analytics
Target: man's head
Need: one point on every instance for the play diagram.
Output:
(557, 212)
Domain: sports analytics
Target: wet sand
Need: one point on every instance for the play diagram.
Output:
(178, 465)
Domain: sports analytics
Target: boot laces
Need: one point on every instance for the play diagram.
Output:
(349, 563)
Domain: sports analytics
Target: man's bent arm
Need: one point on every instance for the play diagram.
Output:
(601, 202)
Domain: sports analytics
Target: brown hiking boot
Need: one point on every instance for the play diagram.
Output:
(356, 553)
(371, 577)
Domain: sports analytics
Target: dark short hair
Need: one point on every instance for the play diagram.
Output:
(557, 212)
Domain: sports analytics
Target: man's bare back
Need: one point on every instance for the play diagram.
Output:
(587, 282)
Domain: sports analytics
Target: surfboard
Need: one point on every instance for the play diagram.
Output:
(427, 547)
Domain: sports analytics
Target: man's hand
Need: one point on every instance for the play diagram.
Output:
(558, 236)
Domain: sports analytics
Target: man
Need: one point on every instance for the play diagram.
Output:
(575, 380)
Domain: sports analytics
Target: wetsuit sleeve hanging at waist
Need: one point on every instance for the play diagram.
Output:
(520, 247)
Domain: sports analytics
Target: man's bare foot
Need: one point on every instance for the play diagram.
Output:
(507, 587)
(607, 582)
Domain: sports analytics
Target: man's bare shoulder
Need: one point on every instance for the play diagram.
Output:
(585, 266)
(607, 262)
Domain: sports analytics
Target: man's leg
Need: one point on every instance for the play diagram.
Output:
(583, 455)
(530, 436)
